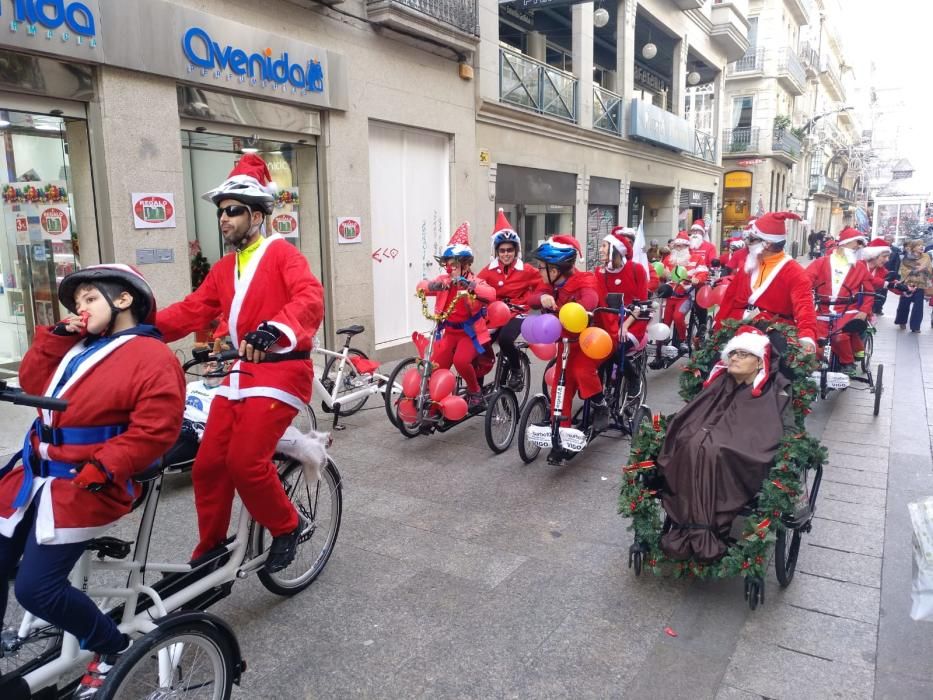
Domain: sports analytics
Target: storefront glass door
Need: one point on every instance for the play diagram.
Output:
(38, 229)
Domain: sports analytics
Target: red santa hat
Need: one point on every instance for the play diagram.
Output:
(683, 238)
(565, 239)
(459, 245)
(874, 249)
(770, 227)
(699, 226)
(849, 234)
(619, 243)
(751, 340)
(625, 231)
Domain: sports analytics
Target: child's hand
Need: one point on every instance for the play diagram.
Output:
(74, 325)
(547, 302)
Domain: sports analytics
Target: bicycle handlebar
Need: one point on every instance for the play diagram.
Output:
(201, 357)
(20, 398)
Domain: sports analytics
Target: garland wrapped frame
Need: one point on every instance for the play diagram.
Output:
(779, 493)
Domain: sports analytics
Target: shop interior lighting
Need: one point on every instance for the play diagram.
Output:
(601, 17)
(249, 150)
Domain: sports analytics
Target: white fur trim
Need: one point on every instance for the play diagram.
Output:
(289, 333)
(308, 449)
(617, 246)
(769, 237)
(234, 393)
(241, 283)
(872, 252)
(756, 294)
(754, 343)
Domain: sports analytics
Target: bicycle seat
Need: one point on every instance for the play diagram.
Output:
(351, 330)
(150, 472)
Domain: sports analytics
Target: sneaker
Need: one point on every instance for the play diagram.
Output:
(283, 549)
(516, 381)
(902, 326)
(97, 672)
(860, 355)
(475, 402)
(915, 331)
(683, 349)
(600, 416)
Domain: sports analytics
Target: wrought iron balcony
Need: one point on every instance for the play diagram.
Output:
(741, 140)
(820, 184)
(809, 59)
(752, 62)
(607, 111)
(528, 83)
(785, 143)
(790, 73)
(832, 80)
(704, 146)
(453, 23)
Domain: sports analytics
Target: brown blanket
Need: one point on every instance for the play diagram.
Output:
(717, 452)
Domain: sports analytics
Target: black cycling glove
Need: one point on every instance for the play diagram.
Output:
(263, 337)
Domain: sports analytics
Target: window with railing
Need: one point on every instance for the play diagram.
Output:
(740, 140)
(462, 14)
(704, 146)
(528, 83)
(607, 110)
(752, 62)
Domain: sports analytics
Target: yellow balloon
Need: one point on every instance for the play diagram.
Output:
(573, 317)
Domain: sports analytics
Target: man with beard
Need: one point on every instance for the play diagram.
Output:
(693, 270)
(843, 286)
(699, 242)
(771, 285)
(735, 258)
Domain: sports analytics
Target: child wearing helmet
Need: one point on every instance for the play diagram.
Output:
(561, 283)
(464, 331)
(512, 281)
(73, 477)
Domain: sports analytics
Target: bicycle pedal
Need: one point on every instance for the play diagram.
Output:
(111, 547)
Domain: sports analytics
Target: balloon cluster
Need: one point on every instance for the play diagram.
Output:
(710, 296)
(542, 332)
(440, 390)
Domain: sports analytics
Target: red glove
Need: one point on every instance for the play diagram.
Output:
(92, 476)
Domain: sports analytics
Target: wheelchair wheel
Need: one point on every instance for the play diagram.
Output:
(754, 591)
(534, 413)
(501, 420)
(395, 379)
(786, 550)
(641, 414)
(351, 381)
(189, 660)
(879, 389)
(321, 505)
(869, 343)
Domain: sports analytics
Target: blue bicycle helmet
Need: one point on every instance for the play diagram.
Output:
(561, 251)
(457, 251)
(504, 233)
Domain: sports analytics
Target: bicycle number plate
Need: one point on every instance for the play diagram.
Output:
(559, 396)
(834, 380)
(572, 439)
(539, 435)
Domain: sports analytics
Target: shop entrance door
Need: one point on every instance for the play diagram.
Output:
(410, 194)
(37, 225)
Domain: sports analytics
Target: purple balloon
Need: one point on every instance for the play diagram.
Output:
(548, 329)
(529, 329)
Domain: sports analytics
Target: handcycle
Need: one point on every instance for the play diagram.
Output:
(183, 651)
(666, 353)
(501, 404)
(540, 424)
(830, 376)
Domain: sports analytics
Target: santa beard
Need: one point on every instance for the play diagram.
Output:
(680, 255)
(753, 261)
(696, 242)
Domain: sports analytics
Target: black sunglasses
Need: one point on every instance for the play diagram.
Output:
(233, 211)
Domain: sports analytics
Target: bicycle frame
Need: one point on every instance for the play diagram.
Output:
(375, 386)
(242, 562)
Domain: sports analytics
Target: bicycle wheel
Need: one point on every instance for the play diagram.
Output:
(501, 420)
(545, 389)
(879, 389)
(522, 396)
(321, 505)
(191, 660)
(869, 343)
(351, 381)
(305, 421)
(395, 379)
(21, 654)
(534, 413)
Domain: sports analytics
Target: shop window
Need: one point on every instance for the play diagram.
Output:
(39, 222)
(209, 158)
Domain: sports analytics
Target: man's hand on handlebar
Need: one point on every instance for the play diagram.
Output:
(254, 345)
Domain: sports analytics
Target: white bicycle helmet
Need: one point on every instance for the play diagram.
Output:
(249, 182)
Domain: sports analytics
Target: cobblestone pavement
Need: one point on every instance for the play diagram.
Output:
(462, 574)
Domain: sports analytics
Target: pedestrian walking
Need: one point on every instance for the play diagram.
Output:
(916, 276)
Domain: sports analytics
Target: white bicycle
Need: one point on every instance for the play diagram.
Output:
(183, 652)
(348, 380)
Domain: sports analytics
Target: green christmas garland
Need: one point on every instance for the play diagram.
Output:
(796, 453)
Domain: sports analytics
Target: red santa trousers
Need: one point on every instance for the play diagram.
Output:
(236, 453)
(675, 317)
(844, 345)
(456, 348)
(582, 374)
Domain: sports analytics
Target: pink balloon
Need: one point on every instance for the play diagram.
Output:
(548, 329)
(706, 296)
(411, 383)
(442, 382)
(544, 351)
(497, 314)
(407, 411)
(550, 375)
(453, 407)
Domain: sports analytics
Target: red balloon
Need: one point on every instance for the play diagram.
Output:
(453, 407)
(719, 293)
(407, 411)
(544, 351)
(411, 383)
(550, 375)
(497, 314)
(706, 296)
(442, 382)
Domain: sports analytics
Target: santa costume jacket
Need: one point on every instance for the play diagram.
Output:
(468, 315)
(512, 284)
(785, 295)
(129, 383)
(828, 286)
(276, 287)
(632, 283)
(579, 287)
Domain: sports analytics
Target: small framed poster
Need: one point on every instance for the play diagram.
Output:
(153, 210)
(349, 230)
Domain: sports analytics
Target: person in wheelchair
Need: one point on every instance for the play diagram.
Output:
(513, 281)
(721, 445)
(618, 273)
(74, 476)
(464, 332)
